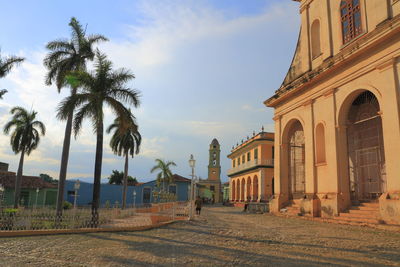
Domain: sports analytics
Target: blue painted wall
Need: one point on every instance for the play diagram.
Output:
(113, 193)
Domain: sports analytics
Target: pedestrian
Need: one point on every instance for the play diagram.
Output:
(246, 204)
(198, 204)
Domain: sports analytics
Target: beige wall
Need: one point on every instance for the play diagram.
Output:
(369, 62)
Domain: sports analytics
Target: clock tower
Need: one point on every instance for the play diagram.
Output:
(214, 165)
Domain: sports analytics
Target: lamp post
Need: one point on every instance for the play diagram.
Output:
(134, 198)
(192, 164)
(77, 185)
(1, 195)
(37, 193)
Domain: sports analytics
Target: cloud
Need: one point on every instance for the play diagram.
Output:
(202, 75)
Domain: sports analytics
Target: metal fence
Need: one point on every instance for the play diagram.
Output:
(46, 218)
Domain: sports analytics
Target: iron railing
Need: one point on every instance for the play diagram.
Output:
(46, 218)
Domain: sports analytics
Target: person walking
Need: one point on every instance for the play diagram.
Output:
(198, 204)
(246, 204)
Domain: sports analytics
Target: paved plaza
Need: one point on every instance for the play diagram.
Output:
(221, 236)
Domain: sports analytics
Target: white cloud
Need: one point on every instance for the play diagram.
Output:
(171, 126)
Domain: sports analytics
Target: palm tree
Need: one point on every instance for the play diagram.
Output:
(6, 64)
(125, 141)
(2, 92)
(24, 139)
(64, 57)
(97, 88)
(165, 174)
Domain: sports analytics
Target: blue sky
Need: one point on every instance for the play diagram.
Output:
(204, 68)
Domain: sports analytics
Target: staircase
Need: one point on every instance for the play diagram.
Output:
(294, 208)
(364, 212)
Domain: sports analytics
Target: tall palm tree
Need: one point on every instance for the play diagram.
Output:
(125, 141)
(24, 139)
(165, 174)
(64, 57)
(103, 86)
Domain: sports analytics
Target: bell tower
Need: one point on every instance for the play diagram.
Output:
(214, 165)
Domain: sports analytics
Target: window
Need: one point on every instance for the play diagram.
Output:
(351, 19)
(212, 188)
(233, 163)
(320, 143)
(256, 153)
(273, 152)
(248, 156)
(315, 39)
(243, 159)
(238, 159)
(214, 162)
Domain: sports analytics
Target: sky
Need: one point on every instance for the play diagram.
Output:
(203, 67)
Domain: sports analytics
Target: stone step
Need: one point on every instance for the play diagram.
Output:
(359, 215)
(361, 212)
(361, 208)
(369, 204)
(356, 219)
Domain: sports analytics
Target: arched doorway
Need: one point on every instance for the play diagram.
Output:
(365, 148)
(242, 190)
(238, 190)
(248, 189)
(297, 185)
(233, 197)
(255, 188)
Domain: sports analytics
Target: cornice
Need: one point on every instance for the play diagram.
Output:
(373, 39)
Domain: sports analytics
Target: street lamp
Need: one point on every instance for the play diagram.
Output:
(134, 198)
(1, 194)
(37, 192)
(77, 185)
(192, 164)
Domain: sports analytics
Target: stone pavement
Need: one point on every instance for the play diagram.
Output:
(221, 236)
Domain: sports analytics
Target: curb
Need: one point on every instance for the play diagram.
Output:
(81, 231)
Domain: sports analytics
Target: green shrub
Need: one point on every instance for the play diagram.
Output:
(67, 205)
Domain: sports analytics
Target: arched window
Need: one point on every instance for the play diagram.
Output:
(351, 19)
(320, 143)
(315, 39)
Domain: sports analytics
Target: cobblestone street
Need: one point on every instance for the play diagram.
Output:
(221, 236)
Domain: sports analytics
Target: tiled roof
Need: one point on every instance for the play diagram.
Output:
(7, 179)
(178, 178)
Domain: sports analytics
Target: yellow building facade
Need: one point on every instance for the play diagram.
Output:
(337, 113)
(251, 175)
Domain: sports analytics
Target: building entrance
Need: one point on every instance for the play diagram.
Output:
(366, 149)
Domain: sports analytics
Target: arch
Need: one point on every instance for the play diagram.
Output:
(350, 97)
(242, 196)
(296, 160)
(350, 14)
(364, 151)
(320, 143)
(237, 190)
(233, 196)
(255, 188)
(287, 173)
(316, 39)
(248, 189)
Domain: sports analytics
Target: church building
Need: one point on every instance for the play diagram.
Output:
(212, 185)
(337, 112)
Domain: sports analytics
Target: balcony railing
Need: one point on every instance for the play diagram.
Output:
(251, 164)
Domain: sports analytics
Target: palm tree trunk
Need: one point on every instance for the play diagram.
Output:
(64, 165)
(125, 188)
(97, 175)
(18, 181)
